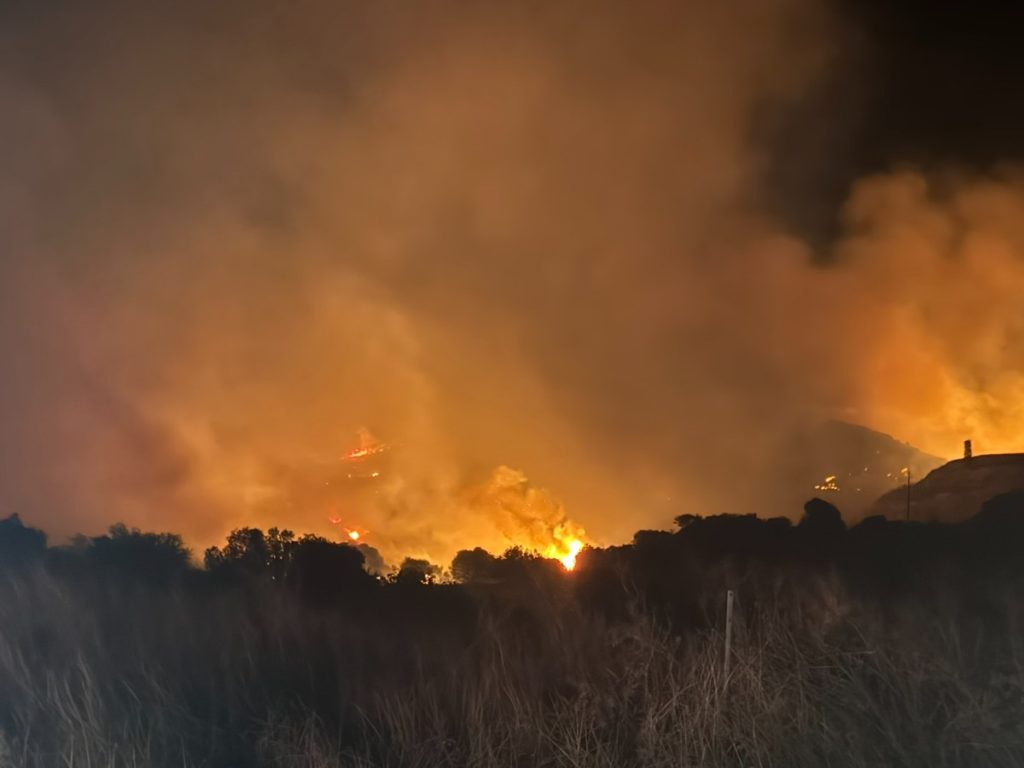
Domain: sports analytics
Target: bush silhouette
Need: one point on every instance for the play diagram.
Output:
(19, 543)
(416, 571)
(246, 551)
(130, 553)
(822, 519)
(321, 570)
(474, 565)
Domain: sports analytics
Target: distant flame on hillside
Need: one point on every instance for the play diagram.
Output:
(352, 534)
(565, 552)
(529, 517)
(828, 484)
(368, 446)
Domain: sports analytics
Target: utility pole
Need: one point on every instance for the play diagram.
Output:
(727, 661)
(908, 494)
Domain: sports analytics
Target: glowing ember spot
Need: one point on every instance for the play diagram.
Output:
(362, 453)
(364, 462)
(368, 446)
(352, 534)
(829, 484)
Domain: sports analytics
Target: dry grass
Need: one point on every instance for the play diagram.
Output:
(130, 677)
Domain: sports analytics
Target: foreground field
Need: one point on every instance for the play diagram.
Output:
(102, 675)
(885, 644)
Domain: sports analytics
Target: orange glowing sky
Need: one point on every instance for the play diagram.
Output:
(527, 247)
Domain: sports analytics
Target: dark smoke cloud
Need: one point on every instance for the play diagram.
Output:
(909, 82)
(513, 236)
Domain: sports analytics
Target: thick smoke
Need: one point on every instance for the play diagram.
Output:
(503, 236)
(933, 270)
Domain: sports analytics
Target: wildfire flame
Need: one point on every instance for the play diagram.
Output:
(828, 484)
(362, 453)
(566, 546)
(567, 558)
(528, 517)
(353, 534)
(368, 446)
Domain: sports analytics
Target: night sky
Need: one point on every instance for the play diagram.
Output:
(920, 84)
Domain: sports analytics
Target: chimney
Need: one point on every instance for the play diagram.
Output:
(968, 453)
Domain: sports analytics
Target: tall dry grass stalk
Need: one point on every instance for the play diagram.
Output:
(96, 676)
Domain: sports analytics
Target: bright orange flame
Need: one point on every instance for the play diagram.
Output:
(568, 560)
(829, 484)
(362, 453)
(353, 534)
(566, 546)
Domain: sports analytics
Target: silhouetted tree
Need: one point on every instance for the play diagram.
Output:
(372, 560)
(322, 570)
(416, 571)
(130, 553)
(821, 530)
(246, 551)
(822, 518)
(280, 546)
(474, 565)
(686, 519)
(742, 536)
(997, 531)
(19, 543)
(1004, 511)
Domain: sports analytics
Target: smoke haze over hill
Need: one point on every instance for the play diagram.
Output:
(530, 237)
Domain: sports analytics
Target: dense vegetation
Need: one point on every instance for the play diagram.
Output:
(887, 643)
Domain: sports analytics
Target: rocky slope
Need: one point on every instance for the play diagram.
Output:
(955, 491)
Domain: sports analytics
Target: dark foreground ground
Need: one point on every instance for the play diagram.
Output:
(883, 645)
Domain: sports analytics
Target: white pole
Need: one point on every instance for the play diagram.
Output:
(728, 639)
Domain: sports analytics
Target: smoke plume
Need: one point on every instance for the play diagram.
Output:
(518, 236)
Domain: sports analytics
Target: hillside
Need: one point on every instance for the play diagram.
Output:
(955, 491)
(851, 466)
